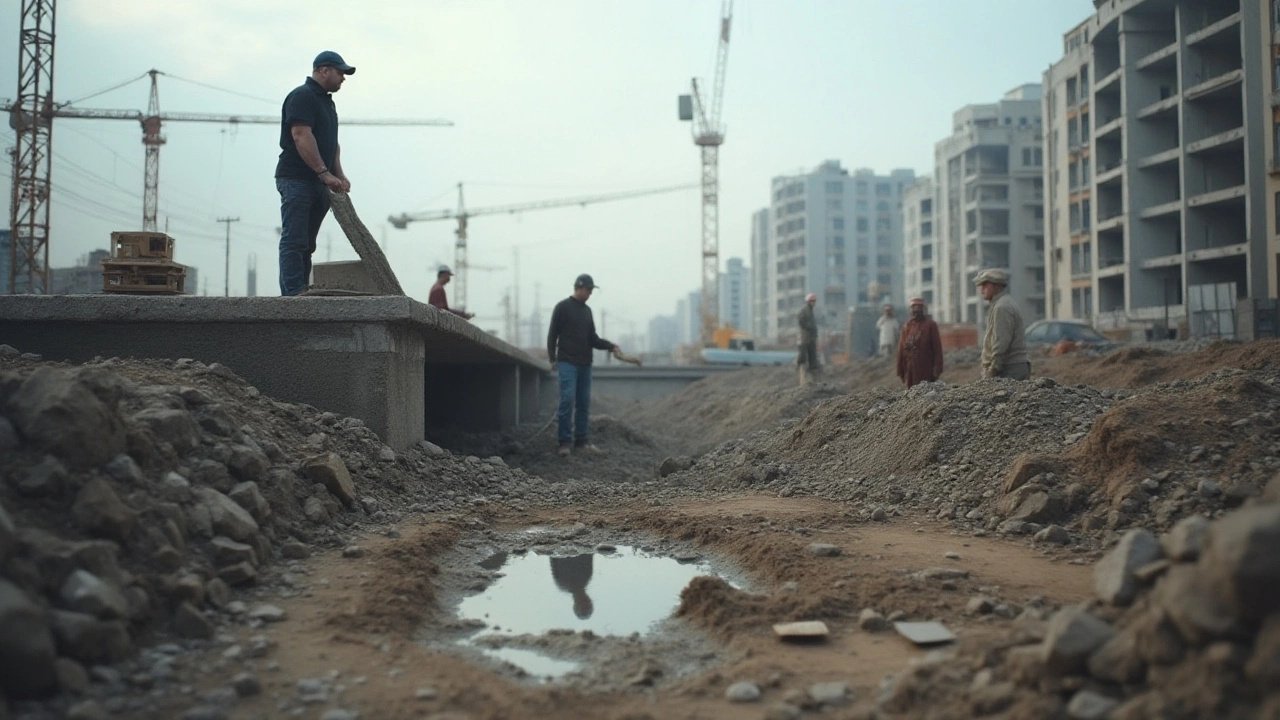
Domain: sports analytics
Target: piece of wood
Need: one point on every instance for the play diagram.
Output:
(375, 263)
(924, 633)
(805, 630)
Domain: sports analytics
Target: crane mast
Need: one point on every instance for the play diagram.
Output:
(32, 154)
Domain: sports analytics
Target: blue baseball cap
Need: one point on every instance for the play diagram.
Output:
(334, 60)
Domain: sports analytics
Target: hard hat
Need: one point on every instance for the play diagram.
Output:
(811, 297)
(443, 269)
(997, 277)
(916, 301)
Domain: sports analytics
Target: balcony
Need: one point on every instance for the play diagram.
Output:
(1214, 141)
(1111, 223)
(1116, 268)
(1217, 253)
(1217, 196)
(1167, 106)
(1163, 261)
(1165, 56)
(1111, 172)
(1106, 81)
(1170, 208)
(1112, 126)
(1161, 158)
(1275, 98)
(1214, 84)
(1211, 33)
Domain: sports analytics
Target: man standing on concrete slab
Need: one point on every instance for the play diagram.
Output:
(888, 327)
(920, 347)
(1004, 349)
(310, 166)
(807, 357)
(437, 297)
(570, 340)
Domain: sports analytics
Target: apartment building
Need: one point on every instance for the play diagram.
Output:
(919, 260)
(761, 272)
(838, 235)
(1158, 133)
(1269, 23)
(988, 205)
(735, 295)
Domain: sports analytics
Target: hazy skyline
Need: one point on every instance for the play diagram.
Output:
(552, 99)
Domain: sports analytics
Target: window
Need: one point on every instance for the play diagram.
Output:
(834, 186)
(862, 224)
(860, 187)
(926, 275)
(837, 242)
(1037, 159)
(837, 223)
(1026, 156)
(926, 252)
(1022, 121)
(883, 190)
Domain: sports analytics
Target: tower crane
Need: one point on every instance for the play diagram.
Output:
(708, 135)
(462, 214)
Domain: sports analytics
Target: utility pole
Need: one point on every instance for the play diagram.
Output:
(515, 302)
(227, 270)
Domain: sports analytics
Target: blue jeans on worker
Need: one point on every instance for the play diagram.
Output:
(575, 393)
(303, 205)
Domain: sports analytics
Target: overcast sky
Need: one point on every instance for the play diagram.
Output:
(551, 99)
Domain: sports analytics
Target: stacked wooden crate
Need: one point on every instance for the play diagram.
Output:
(142, 263)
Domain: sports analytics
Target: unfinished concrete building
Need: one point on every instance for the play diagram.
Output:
(919, 258)
(1163, 158)
(988, 206)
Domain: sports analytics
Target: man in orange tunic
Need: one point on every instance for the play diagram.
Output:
(919, 347)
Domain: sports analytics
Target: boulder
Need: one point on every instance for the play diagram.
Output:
(26, 647)
(1184, 541)
(1089, 705)
(1113, 576)
(313, 509)
(1193, 606)
(48, 477)
(248, 464)
(71, 675)
(217, 592)
(830, 694)
(124, 469)
(1263, 667)
(226, 516)
(672, 465)
(329, 470)
(189, 622)
(85, 592)
(1242, 552)
(741, 692)
(58, 415)
(229, 552)
(1072, 635)
(175, 427)
(1118, 660)
(98, 510)
(1054, 534)
(871, 620)
(248, 496)
(89, 639)
(238, 574)
(1040, 507)
(824, 550)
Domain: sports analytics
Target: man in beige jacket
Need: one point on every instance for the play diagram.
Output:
(1004, 349)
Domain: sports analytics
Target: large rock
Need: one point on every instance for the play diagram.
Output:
(123, 468)
(1073, 634)
(226, 516)
(26, 646)
(1039, 507)
(1242, 552)
(1194, 606)
(85, 592)
(329, 470)
(99, 511)
(1118, 660)
(175, 427)
(8, 535)
(248, 496)
(189, 622)
(1263, 667)
(248, 464)
(1184, 541)
(1113, 579)
(89, 639)
(48, 477)
(229, 552)
(61, 416)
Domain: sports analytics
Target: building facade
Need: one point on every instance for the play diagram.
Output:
(1269, 23)
(664, 333)
(6, 247)
(919, 258)
(838, 235)
(762, 249)
(1164, 135)
(735, 295)
(989, 205)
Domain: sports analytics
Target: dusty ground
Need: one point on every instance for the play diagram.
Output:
(913, 495)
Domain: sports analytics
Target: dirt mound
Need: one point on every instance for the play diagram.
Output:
(1141, 365)
(1187, 626)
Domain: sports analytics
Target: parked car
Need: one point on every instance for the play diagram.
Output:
(1047, 333)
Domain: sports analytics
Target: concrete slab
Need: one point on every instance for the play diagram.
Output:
(390, 361)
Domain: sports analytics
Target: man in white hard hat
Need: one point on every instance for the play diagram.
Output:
(807, 357)
(1004, 349)
(437, 297)
(888, 327)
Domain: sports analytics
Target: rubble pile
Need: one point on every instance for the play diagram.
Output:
(1184, 626)
(1020, 458)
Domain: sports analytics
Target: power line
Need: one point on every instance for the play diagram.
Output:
(220, 89)
(102, 92)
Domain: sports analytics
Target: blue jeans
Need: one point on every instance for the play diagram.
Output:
(575, 391)
(303, 205)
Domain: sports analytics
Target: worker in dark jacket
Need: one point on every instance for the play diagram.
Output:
(570, 339)
(807, 357)
(919, 347)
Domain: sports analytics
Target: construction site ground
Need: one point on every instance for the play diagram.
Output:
(262, 559)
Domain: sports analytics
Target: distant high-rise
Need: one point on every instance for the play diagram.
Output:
(762, 249)
(988, 207)
(84, 278)
(919, 250)
(836, 235)
(1160, 115)
(251, 283)
(735, 295)
(664, 334)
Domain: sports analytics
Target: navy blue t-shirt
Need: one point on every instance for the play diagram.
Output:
(308, 105)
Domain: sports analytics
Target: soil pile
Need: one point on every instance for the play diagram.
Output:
(1187, 626)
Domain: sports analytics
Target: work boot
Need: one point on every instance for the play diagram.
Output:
(804, 376)
(563, 451)
(588, 448)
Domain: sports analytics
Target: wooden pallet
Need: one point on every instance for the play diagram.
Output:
(141, 246)
(143, 277)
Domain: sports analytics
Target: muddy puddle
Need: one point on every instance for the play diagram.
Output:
(572, 606)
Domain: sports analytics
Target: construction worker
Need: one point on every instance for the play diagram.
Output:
(1004, 349)
(570, 340)
(888, 327)
(310, 166)
(807, 357)
(437, 297)
(919, 347)
(572, 575)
